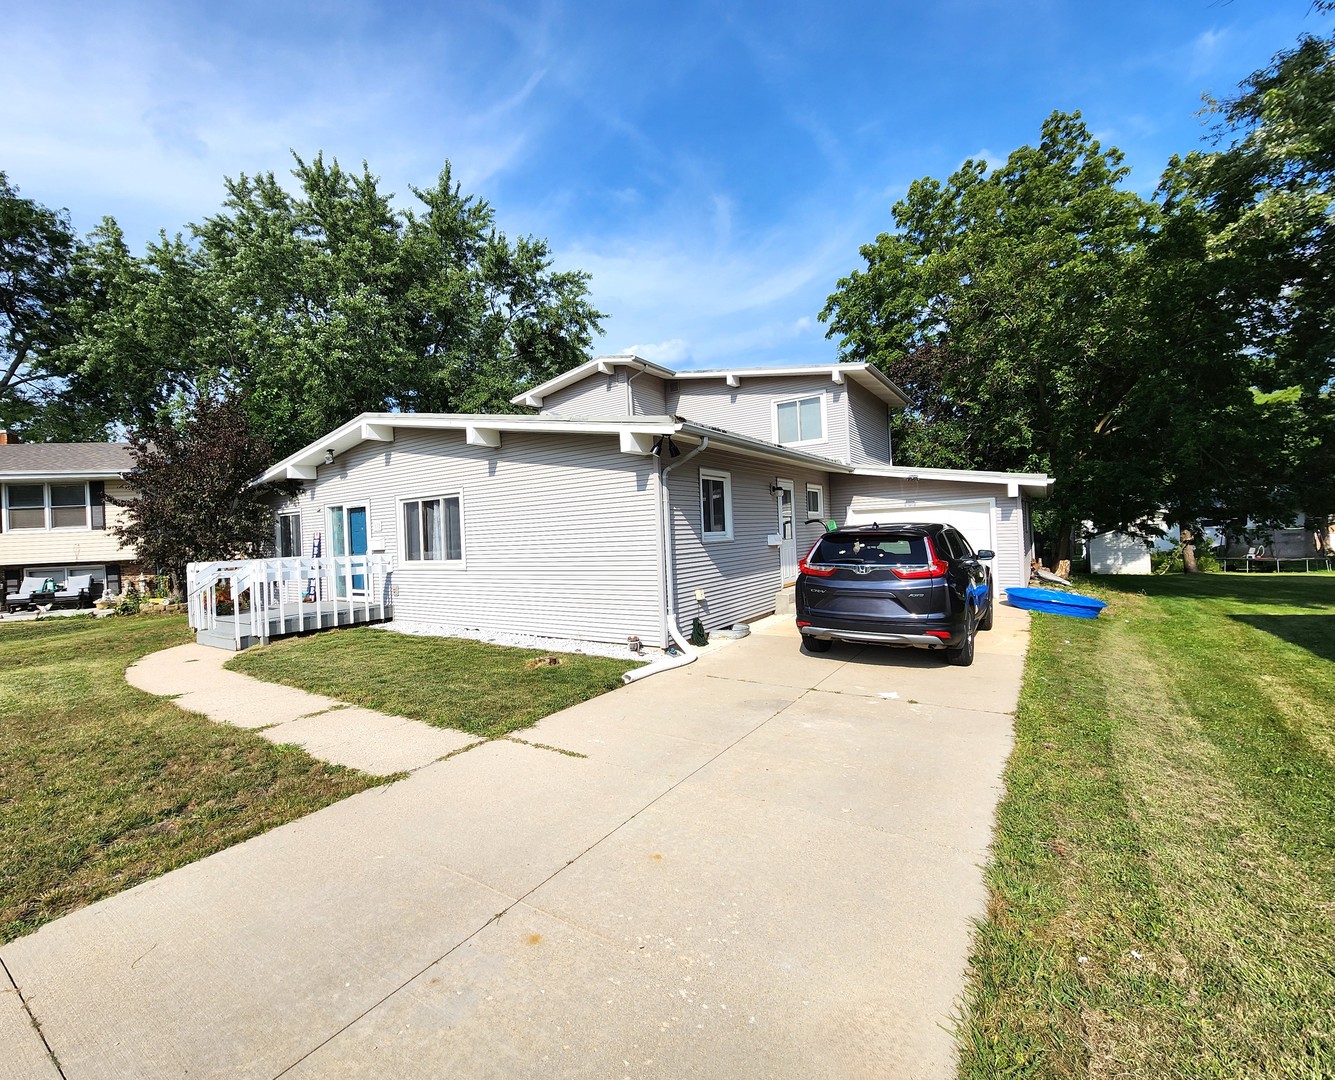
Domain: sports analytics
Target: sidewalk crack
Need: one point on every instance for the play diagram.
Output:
(55, 1061)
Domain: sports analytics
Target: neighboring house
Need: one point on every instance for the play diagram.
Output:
(54, 521)
(633, 497)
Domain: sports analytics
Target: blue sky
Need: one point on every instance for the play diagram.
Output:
(715, 166)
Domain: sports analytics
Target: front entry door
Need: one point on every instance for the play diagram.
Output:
(787, 533)
(348, 536)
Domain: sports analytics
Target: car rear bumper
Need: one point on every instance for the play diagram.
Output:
(916, 639)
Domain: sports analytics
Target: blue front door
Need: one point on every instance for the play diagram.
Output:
(357, 541)
(347, 535)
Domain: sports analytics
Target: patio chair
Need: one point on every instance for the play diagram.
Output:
(31, 592)
(77, 592)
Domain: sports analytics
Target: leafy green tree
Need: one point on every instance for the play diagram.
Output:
(329, 302)
(36, 248)
(1046, 319)
(191, 480)
(315, 305)
(1271, 194)
(140, 323)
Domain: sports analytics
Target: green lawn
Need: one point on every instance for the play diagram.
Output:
(485, 690)
(1162, 892)
(103, 786)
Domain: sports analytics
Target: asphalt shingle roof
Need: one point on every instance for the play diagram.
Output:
(57, 459)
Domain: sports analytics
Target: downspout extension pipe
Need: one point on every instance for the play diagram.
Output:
(688, 654)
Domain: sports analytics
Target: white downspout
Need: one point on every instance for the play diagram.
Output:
(630, 394)
(688, 654)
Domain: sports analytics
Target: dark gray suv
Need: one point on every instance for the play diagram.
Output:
(920, 585)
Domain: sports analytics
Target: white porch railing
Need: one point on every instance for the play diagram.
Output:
(257, 599)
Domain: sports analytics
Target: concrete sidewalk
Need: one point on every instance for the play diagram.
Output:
(764, 864)
(363, 739)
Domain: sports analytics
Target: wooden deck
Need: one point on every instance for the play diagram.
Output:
(226, 633)
(235, 605)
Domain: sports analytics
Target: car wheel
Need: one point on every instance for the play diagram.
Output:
(962, 654)
(985, 623)
(815, 644)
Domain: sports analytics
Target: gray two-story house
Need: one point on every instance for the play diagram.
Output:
(631, 499)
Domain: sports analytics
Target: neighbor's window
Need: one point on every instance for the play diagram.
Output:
(800, 420)
(715, 505)
(47, 506)
(815, 501)
(433, 529)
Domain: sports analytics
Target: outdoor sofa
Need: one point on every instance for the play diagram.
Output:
(77, 591)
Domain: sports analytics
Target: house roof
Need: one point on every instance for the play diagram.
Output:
(866, 375)
(1032, 485)
(636, 434)
(32, 461)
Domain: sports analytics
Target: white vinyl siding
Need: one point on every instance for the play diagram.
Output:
(625, 392)
(869, 428)
(560, 531)
(739, 579)
(861, 495)
(748, 409)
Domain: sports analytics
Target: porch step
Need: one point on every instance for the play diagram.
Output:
(223, 639)
(785, 601)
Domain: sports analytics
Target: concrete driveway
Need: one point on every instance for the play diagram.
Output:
(761, 865)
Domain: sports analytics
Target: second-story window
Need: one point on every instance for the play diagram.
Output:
(47, 506)
(800, 420)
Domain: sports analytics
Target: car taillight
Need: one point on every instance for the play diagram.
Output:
(804, 567)
(934, 568)
(944, 635)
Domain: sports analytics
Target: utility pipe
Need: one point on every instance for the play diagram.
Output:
(688, 654)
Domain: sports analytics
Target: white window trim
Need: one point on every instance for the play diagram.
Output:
(48, 509)
(726, 478)
(824, 419)
(431, 564)
(278, 532)
(820, 510)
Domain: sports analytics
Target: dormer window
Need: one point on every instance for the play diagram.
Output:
(799, 420)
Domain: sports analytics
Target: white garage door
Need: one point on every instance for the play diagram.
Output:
(973, 519)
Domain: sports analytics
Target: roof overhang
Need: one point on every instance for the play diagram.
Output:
(480, 429)
(635, 435)
(867, 376)
(43, 476)
(1028, 485)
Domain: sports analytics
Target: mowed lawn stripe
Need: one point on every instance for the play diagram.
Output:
(103, 786)
(1162, 886)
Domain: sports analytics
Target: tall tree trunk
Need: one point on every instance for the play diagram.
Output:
(1061, 554)
(1189, 565)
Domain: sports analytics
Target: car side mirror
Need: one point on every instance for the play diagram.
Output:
(986, 554)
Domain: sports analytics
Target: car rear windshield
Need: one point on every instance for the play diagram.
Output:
(881, 549)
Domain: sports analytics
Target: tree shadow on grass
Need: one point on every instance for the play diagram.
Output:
(1315, 633)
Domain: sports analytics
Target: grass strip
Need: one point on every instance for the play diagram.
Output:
(103, 786)
(471, 686)
(1162, 887)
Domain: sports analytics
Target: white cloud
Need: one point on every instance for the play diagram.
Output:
(992, 160)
